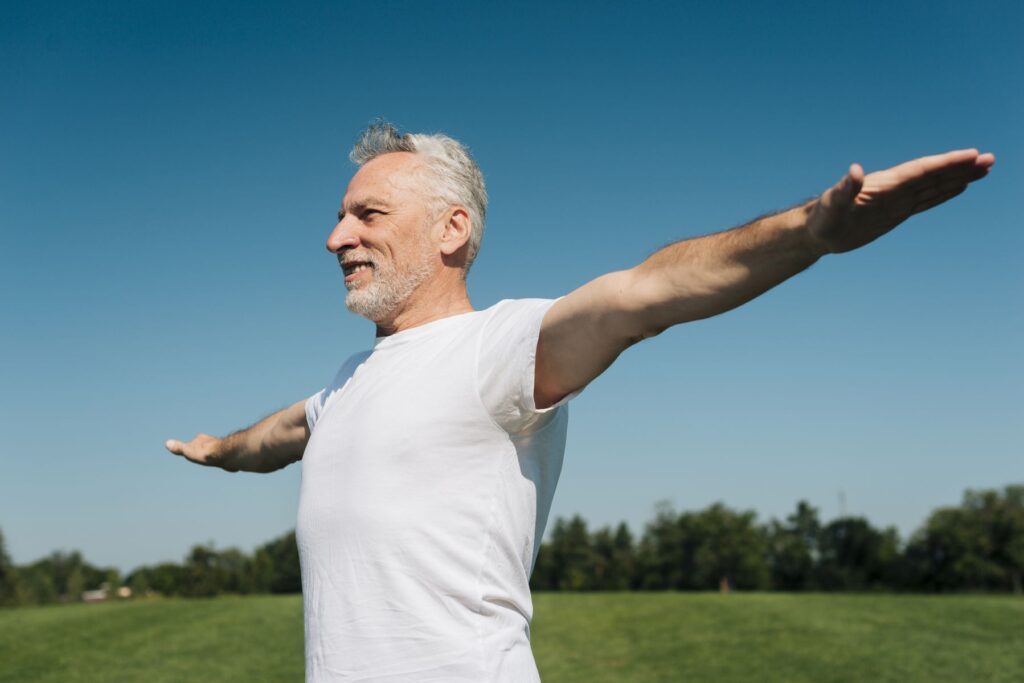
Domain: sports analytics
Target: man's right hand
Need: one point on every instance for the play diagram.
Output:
(274, 442)
(203, 449)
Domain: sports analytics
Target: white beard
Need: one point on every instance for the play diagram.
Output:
(388, 290)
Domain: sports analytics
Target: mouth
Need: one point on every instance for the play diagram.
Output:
(355, 270)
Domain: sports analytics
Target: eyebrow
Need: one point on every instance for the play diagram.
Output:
(361, 204)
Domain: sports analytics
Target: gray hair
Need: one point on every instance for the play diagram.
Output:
(455, 177)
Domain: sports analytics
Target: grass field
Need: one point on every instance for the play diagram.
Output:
(576, 637)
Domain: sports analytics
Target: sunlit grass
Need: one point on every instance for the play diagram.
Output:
(576, 637)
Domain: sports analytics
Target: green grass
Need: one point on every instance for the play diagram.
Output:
(766, 637)
(173, 641)
(632, 637)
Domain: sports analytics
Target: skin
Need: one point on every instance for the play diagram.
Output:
(386, 217)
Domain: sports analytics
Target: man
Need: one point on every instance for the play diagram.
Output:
(430, 461)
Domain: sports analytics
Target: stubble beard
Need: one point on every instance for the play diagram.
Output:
(388, 290)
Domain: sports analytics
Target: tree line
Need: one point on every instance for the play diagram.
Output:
(975, 546)
(205, 572)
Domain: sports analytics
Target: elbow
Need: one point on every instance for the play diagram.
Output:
(647, 303)
(661, 301)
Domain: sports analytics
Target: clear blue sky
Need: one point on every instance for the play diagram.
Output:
(171, 171)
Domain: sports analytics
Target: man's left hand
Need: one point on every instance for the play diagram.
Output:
(861, 208)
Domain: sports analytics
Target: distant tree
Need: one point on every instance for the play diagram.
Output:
(112, 580)
(74, 583)
(728, 548)
(661, 556)
(10, 582)
(623, 558)
(793, 549)
(233, 567)
(602, 554)
(205, 576)
(1000, 517)
(283, 557)
(138, 582)
(259, 573)
(573, 559)
(37, 585)
(549, 567)
(703, 550)
(856, 556)
(580, 559)
(166, 578)
(976, 546)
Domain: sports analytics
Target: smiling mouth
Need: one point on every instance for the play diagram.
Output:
(352, 269)
(355, 267)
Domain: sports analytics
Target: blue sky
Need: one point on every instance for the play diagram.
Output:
(171, 172)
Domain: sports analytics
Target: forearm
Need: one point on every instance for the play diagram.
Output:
(705, 276)
(270, 444)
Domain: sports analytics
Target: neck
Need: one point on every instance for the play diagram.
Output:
(431, 301)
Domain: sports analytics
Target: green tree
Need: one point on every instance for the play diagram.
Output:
(74, 583)
(10, 583)
(703, 550)
(793, 548)
(623, 558)
(166, 578)
(37, 585)
(572, 564)
(728, 548)
(548, 569)
(203, 571)
(661, 555)
(139, 584)
(283, 556)
(856, 556)
(258, 573)
(978, 545)
(112, 580)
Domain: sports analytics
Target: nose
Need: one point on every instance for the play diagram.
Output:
(344, 236)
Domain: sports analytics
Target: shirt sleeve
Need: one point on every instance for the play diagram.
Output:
(314, 406)
(506, 365)
(317, 403)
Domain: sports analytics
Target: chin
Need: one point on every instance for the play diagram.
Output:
(369, 303)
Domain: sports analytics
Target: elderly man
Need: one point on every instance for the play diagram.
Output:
(431, 459)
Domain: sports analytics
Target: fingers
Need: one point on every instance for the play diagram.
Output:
(911, 170)
(982, 166)
(191, 450)
(966, 162)
(938, 198)
(958, 174)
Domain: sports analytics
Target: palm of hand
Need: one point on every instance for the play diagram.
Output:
(201, 449)
(861, 208)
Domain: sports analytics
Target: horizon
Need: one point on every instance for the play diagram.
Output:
(635, 533)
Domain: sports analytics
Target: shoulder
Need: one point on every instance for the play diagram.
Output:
(512, 312)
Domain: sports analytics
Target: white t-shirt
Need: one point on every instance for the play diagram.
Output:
(426, 487)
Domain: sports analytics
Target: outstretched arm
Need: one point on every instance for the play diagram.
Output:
(272, 443)
(584, 332)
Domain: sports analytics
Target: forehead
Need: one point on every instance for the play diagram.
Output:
(390, 177)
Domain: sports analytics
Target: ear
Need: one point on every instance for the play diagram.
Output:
(456, 230)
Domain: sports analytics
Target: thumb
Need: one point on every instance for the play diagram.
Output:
(175, 446)
(847, 188)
